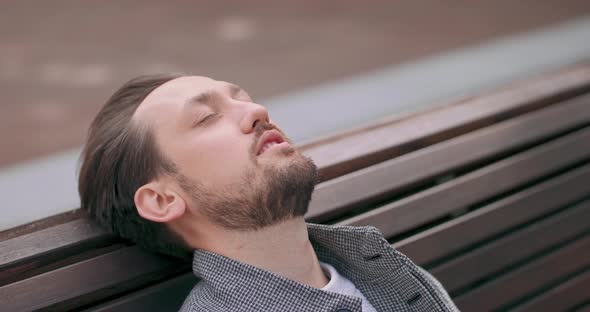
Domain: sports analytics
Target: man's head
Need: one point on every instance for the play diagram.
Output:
(168, 152)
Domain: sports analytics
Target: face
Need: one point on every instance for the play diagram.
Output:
(233, 165)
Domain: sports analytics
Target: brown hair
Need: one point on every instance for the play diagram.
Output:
(119, 157)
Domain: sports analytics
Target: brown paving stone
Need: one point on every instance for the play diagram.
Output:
(60, 60)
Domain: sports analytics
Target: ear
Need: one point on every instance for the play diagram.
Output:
(155, 203)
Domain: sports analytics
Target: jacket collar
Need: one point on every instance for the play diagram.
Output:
(350, 249)
(237, 284)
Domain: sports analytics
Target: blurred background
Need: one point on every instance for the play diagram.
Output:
(320, 66)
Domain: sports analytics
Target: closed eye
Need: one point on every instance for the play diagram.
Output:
(207, 118)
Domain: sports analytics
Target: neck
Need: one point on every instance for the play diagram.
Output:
(283, 249)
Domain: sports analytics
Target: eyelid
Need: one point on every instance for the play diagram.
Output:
(205, 119)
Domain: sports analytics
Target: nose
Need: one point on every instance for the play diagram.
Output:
(254, 114)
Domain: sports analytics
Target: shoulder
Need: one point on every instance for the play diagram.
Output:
(438, 288)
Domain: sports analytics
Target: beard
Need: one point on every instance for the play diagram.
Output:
(264, 196)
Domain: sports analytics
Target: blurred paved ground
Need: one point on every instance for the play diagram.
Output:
(59, 60)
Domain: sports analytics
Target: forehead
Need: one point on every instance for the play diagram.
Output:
(170, 96)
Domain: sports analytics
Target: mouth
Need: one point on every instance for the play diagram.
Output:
(269, 139)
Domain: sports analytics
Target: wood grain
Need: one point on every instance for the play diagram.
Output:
(562, 297)
(378, 182)
(87, 281)
(476, 186)
(516, 247)
(513, 285)
(508, 213)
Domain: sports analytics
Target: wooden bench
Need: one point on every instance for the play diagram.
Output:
(490, 194)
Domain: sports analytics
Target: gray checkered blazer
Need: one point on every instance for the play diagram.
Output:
(387, 278)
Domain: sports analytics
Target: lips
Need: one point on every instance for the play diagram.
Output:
(267, 140)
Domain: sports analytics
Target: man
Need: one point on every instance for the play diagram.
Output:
(192, 167)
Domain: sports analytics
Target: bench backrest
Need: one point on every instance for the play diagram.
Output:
(490, 194)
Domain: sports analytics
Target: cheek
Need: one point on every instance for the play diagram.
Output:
(216, 160)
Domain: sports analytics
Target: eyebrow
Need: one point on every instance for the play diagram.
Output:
(206, 96)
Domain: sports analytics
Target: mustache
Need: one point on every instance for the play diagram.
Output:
(259, 129)
(262, 126)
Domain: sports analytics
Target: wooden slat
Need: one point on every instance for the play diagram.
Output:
(562, 297)
(166, 296)
(516, 247)
(24, 253)
(518, 283)
(478, 185)
(352, 151)
(375, 183)
(88, 281)
(42, 224)
(466, 230)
